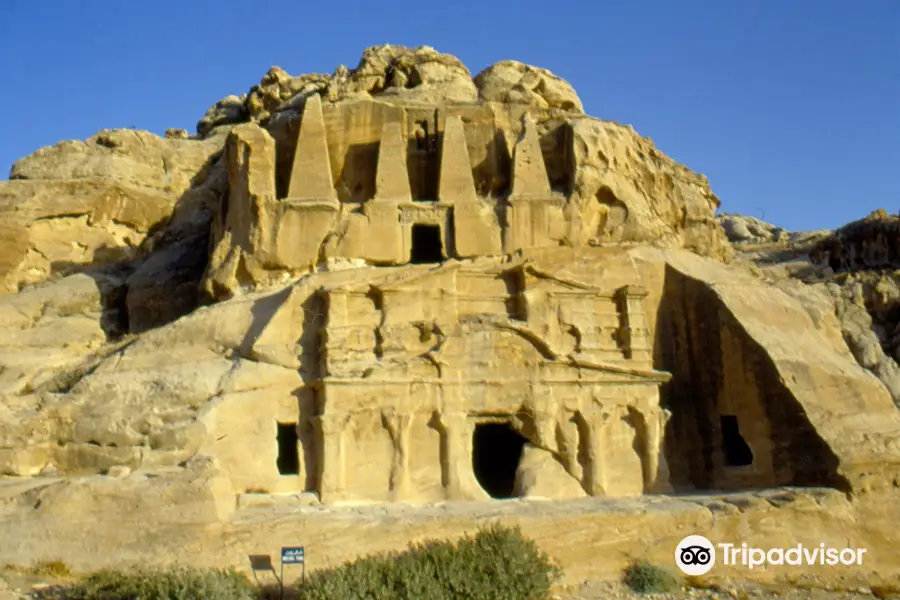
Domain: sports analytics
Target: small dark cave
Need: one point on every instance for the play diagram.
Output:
(496, 450)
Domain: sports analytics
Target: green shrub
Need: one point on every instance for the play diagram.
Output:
(646, 578)
(165, 584)
(497, 563)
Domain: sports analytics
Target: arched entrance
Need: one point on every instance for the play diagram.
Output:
(496, 450)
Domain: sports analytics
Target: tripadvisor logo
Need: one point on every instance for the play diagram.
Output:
(696, 555)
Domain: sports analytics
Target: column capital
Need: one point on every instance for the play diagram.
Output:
(331, 423)
(597, 416)
(632, 291)
(450, 419)
(395, 420)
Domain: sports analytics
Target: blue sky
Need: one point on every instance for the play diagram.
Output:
(790, 107)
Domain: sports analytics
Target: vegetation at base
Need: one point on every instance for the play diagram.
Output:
(56, 569)
(497, 563)
(646, 578)
(165, 584)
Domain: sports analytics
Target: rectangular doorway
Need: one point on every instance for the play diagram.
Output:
(427, 246)
(288, 449)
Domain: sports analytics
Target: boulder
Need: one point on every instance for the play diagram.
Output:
(541, 476)
(510, 81)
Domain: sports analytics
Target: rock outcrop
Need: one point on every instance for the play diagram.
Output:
(602, 183)
(77, 205)
(849, 272)
(512, 82)
(411, 74)
(400, 284)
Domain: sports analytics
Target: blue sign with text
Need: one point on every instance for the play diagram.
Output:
(292, 556)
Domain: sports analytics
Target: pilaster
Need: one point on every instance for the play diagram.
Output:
(458, 476)
(594, 420)
(656, 472)
(399, 427)
(634, 333)
(331, 430)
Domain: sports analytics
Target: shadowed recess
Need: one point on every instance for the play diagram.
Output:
(496, 450)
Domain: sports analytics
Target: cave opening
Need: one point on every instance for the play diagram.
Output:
(496, 450)
(735, 448)
(426, 244)
(288, 461)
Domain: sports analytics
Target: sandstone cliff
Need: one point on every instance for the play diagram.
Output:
(180, 324)
(850, 272)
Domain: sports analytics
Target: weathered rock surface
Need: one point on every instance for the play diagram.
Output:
(870, 243)
(741, 229)
(80, 204)
(848, 273)
(573, 284)
(540, 476)
(419, 75)
(671, 205)
(410, 74)
(776, 359)
(512, 82)
(593, 539)
(603, 184)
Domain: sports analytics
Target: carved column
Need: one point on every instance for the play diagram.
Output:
(568, 428)
(546, 415)
(656, 477)
(331, 430)
(398, 426)
(458, 476)
(593, 420)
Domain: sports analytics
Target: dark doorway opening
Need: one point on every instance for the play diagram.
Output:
(426, 244)
(496, 450)
(288, 452)
(737, 452)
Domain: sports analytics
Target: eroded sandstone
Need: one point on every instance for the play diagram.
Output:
(404, 286)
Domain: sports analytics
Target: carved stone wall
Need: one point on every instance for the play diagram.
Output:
(359, 178)
(520, 315)
(414, 360)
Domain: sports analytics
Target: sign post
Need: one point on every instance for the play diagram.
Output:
(295, 555)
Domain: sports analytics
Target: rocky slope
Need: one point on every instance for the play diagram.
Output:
(854, 271)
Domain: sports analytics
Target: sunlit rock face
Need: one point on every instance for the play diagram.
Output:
(399, 284)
